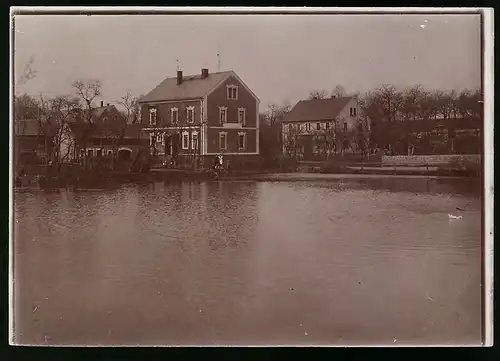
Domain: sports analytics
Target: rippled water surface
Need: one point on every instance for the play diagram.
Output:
(326, 262)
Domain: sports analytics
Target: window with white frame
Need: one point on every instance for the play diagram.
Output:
(194, 140)
(222, 140)
(222, 115)
(99, 152)
(190, 114)
(159, 138)
(242, 141)
(185, 140)
(151, 139)
(152, 116)
(232, 92)
(110, 152)
(90, 152)
(242, 116)
(174, 115)
(354, 111)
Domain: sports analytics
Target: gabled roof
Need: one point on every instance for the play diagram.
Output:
(100, 130)
(192, 87)
(32, 127)
(98, 112)
(317, 109)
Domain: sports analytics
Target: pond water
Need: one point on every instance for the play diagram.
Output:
(350, 261)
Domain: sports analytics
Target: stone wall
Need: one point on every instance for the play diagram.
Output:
(420, 160)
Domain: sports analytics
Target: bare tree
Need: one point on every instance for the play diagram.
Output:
(53, 125)
(275, 113)
(339, 91)
(362, 134)
(87, 91)
(318, 94)
(411, 102)
(290, 139)
(25, 107)
(444, 103)
(129, 103)
(390, 101)
(330, 139)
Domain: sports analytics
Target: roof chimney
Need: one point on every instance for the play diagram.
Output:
(102, 103)
(179, 77)
(204, 73)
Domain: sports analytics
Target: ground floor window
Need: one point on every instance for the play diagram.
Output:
(194, 140)
(99, 152)
(185, 140)
(242, 141)
(90, 152)
(222, 140)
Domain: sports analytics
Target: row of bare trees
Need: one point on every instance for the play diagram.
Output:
(53, 115)
(388, 103)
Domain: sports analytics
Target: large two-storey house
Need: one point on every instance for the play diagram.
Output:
(323, 127)
(190, 119)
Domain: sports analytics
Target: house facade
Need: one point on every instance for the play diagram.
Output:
(191, 119)
(108, 136)
(319, 128)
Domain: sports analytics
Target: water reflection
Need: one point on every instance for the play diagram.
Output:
(248, 262)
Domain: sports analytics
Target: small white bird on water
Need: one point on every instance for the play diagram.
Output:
(451, 216)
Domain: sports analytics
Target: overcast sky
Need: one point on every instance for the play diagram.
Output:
(278, 56)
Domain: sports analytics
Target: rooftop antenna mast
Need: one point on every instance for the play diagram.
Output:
(218, 59)
(177, 62)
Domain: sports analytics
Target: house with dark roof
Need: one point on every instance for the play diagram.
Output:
(322, 127)
(192, 118)
(32, 141)
(106, 136)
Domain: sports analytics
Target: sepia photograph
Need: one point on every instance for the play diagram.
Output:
(251, 177)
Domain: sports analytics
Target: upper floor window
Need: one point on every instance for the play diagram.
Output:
(222, 140)
(174, 115)
(242, 116)
(222, 115)
(353, 112)
(152, 116)
(318, 126)
(242, 143)
(190, 114)
(232, 92)
(185, 140)
(327, 125)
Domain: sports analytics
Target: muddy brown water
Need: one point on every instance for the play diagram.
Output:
(364, 261)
